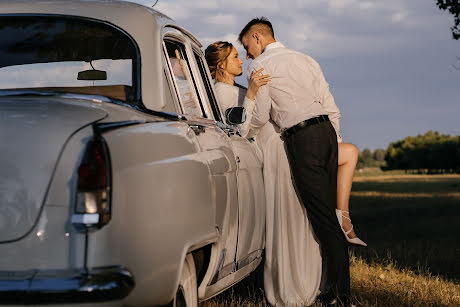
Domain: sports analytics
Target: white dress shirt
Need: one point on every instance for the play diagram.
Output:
(229, 96)
(297, 91)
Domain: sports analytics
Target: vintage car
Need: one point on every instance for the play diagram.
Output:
(121, 183)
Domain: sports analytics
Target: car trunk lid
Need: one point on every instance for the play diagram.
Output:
(33, 132)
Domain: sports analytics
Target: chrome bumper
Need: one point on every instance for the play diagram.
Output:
(65, 286)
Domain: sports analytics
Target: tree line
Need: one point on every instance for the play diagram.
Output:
(428, 153)
(431, 153)
(371, 159)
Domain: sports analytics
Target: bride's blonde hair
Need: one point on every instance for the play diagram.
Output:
(215, 55)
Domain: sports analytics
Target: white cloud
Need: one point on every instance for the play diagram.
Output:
(338, 5)
(325, 27)
(398, 16)
(231, 38)
(259, 5)
(178, 11)
(206, 4)
(221, 20)
(366, 6)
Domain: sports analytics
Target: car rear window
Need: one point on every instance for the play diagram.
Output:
(67, 54)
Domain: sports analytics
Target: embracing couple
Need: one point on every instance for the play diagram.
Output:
(308, 171)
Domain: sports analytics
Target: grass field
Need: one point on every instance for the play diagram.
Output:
(411, 219)
(412, 226)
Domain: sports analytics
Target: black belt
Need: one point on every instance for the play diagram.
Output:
(304, 124)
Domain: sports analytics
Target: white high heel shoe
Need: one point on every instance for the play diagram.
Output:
(356, 240)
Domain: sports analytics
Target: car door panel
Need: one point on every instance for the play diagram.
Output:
(164, 216)
(217, 149)
(251, 193)
(251, 198)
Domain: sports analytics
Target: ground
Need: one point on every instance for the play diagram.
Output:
(411, 224)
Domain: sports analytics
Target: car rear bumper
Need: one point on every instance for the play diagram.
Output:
(65, 286)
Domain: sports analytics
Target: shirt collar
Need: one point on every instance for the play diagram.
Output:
(273, 46)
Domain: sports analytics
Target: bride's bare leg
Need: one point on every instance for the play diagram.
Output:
(348, 157)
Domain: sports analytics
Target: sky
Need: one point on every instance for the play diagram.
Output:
(391, 65)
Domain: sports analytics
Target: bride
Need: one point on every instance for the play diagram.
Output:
(292, 269)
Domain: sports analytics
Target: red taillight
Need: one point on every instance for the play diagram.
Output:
(92, 205)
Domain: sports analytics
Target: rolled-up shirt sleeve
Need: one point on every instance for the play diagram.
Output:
(328, 103)
(261, 112)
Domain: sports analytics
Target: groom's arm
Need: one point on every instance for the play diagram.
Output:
(261, 112)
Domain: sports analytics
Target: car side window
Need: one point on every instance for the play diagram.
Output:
(170, 103)
(207, 84)
(179, 67)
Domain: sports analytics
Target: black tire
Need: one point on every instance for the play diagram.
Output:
(186, 295)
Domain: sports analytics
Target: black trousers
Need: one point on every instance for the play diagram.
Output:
(313, 154)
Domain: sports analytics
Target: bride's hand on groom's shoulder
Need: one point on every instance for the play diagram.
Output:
(257, 80)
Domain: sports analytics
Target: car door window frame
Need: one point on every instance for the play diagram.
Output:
(170, 85)
(207, 84)
(188, 72)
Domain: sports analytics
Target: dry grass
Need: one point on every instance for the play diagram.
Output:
(403, 195)
(410, 223)
(387, 285)
(405, 177)
(372, 285)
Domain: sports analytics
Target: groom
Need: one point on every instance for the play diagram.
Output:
(298, 100)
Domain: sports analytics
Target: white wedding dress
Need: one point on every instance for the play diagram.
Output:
(292, 271)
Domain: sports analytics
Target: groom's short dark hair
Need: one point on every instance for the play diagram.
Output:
(262, 23)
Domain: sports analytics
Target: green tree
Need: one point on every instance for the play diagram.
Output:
(453, 6)
(365, 158)
(432, 152)
(379, 155)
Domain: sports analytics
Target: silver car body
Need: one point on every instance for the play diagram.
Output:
(181, 184)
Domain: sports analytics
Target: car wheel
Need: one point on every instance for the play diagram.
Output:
(186, 295)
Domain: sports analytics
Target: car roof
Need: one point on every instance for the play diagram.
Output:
(98, 9)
